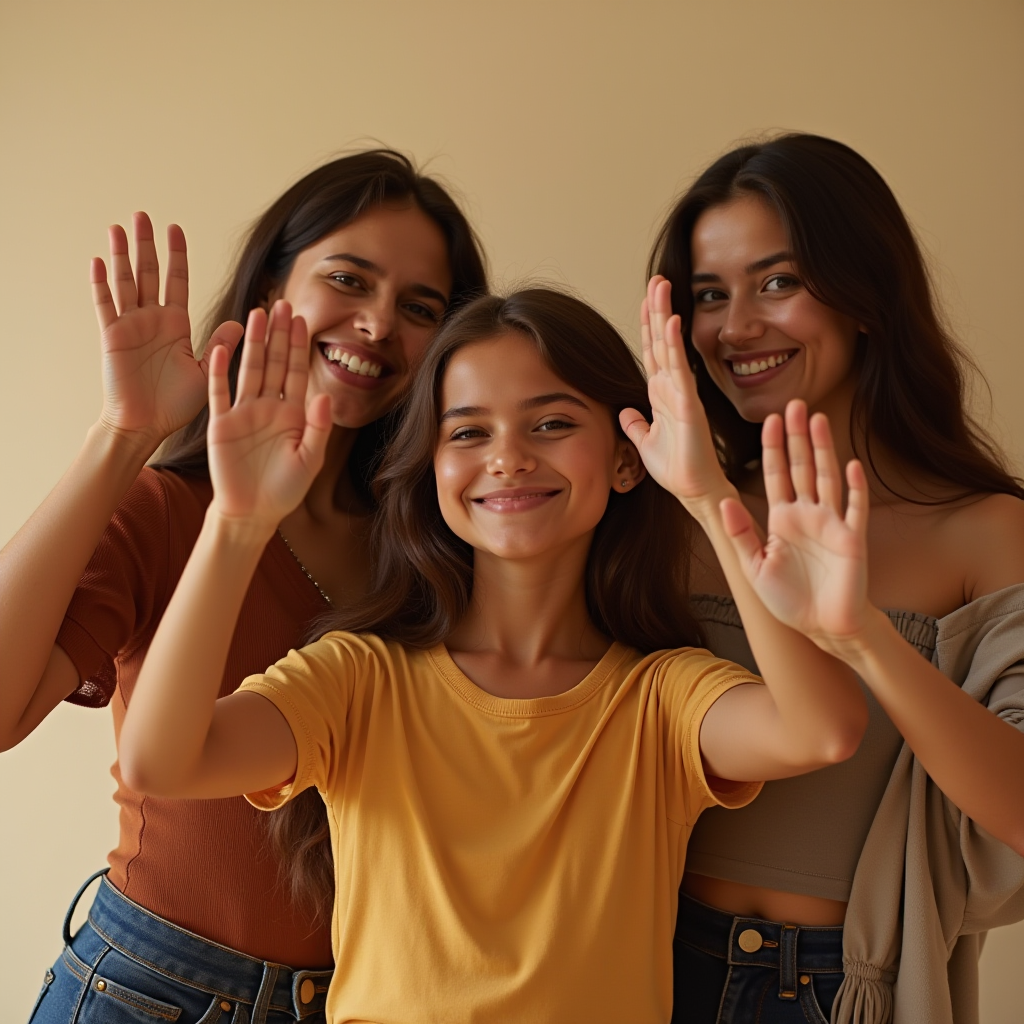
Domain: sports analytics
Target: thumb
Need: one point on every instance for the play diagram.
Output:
(228, 335)
(634, 426)
(317, 430)
(742, 532)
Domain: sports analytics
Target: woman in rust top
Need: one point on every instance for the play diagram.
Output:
(206, 914)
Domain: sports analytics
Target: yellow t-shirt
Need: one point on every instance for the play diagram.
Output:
(500, 860)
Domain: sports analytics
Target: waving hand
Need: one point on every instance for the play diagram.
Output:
(152, 382)
(812, 571)
(266, 448)
(676, 447)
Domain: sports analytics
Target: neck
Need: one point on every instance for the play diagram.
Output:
(332, 491)
(529, 610)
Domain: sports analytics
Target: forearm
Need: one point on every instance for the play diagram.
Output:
(973, 756)
(40, 567)
(820, 714)
(165, 732)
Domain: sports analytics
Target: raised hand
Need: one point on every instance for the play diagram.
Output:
(152, 382)
(812, 571)
(265, 449)
(676, 447)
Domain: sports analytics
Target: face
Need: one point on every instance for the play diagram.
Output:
(763, 337)
(524, 462)
(372, 294)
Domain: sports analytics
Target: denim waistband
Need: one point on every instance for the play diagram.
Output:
(193, 960)
(793, 949)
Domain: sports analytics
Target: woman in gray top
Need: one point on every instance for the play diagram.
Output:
(862, 890)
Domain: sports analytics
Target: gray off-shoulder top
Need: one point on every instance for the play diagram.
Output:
(805, 834)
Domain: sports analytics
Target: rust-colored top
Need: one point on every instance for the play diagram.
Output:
(206, 865)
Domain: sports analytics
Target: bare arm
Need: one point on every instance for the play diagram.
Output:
(152, 386)
(974, 757)
(812, 712)
(178, 739)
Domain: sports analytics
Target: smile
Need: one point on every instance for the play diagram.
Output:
(515, 500)
(752, 367)
(352, 363)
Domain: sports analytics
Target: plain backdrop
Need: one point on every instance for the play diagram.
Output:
(565, 127)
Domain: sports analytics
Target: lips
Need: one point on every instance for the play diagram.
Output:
(357, 368)
(516, 499)
(751, 369)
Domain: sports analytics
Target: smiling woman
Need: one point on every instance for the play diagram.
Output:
(200, 913)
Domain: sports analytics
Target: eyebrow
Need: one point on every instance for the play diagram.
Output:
(529, 403)
(423, 290)
(751, 268)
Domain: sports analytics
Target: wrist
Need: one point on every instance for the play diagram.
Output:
(131, 447)
(242, 534)
(860, 649)
(706, 508)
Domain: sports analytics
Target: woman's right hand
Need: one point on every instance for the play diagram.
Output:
(152, 382)
(267, 447)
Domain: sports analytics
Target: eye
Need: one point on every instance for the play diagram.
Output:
(555, 424)
(348, 280)
(467, 434)
(781, 283)
(421, 312)
(710, 295)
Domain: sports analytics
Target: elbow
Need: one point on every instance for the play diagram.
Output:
(142, 776)
(843, 740)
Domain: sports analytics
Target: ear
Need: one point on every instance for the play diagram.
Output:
(629, 468)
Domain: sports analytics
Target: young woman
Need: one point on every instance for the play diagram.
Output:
(796, 276)
(202, 898)
(510, 758)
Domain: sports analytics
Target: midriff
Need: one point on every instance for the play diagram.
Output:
(768, 904)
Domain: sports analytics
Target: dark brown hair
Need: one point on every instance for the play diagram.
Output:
(638, 565)
(323, 201)
(856, 253)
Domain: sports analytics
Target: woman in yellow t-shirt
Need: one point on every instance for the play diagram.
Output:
(515, 734)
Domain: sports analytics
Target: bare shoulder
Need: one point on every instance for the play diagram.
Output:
(988, 535)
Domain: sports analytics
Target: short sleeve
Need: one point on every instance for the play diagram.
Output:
(692, 681)
(316, 689)
(119, 593)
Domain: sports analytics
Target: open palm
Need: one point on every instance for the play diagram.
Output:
(266, 448)
(676, 447)
(812, 571)
(152, 382)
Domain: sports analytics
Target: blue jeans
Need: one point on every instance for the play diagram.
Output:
(128, 966)
(739, 970)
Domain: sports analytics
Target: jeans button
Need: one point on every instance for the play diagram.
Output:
(307, 990)
(750, 940)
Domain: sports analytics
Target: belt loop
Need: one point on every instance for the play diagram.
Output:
(265, 994)
(787, 961)
(74, 903)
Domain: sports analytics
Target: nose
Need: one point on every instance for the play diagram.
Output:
(376, 318)
(509, 457)
(742, 322)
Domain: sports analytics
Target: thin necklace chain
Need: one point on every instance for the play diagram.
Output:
(308, 574)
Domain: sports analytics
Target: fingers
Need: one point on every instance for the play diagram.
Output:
(275, 359)
(659, 308)
(102, 300)
(316, 432)
(828, 482)
(778, 487)
(742, 532)
(634, 426)
(176, 286)
(646, 351)
(297, 377)
(147, 266)
(859, 499)
(125, 294)
(217, 386)
(798, 447)
(250, 371)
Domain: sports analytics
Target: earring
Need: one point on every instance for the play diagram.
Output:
(624, 484)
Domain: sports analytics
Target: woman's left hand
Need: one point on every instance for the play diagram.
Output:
(811, 573)
(676, 448)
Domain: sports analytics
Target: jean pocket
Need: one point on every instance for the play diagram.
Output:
(107, 1002)
(817, 997)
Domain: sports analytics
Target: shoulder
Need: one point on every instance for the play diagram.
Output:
(988, 535)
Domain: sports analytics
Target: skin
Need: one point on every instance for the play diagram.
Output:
(524, 465)
(750, 305)
(382, 303)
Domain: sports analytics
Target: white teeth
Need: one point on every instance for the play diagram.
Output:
(362, 367)
(759, 366)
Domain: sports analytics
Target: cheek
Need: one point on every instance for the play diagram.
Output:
(415, 342)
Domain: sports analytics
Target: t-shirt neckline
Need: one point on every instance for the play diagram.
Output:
(529, 707)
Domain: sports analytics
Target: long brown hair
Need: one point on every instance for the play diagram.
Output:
(638, 565)
(319, 203)
(855, 252)
(324, 200)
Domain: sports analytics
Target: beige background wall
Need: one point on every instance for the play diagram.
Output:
(567, 127)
